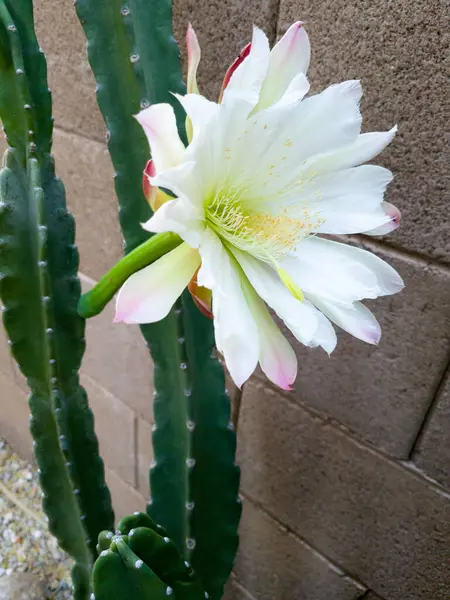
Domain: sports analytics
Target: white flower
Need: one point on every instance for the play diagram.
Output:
(266, 172)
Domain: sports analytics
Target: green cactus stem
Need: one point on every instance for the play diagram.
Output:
(39, 289)
(194, 479)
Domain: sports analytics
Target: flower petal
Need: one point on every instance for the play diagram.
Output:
(394, 220)
(148, 295)
(178, 216)
(201, 296)
(289, 57)
(340, 273)
(243, 54)
(279, 142)
(295, 92)
(356, 319)
(236, 334)
(154, 196)
(181, 181)
(364, 148)
(193, 57)
(215, 260)
(160, 127)
(350, 200)
(245, 82)
(299, 316)
(199, 110)
(277, 357)
(325, 336)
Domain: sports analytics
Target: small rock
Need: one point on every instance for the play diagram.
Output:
(21, 586)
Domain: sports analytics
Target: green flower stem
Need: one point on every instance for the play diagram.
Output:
(93, 302)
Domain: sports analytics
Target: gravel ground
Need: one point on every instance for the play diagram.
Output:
(25, 544)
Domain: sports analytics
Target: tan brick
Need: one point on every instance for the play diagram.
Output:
(273, 564)
(399, 51)
(432, 454)
(114, 426)
(126, 500)
(144, 455)
(223, 29)
(235, 591)
(14, 417)
(117, 357)
(85, 168)
(382, 393)
(375, 518)
(70, 77)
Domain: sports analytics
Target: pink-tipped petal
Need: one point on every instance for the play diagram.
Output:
(148, 295)
(148, 188)
(276, 357)
(160, 127)
(234, 65)
(201, 296)
(154, 196)
(289, 57)
(193, 55)
(395, 217)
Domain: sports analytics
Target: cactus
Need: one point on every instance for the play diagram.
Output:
(39, 290)
(194, 480)
(140, 561)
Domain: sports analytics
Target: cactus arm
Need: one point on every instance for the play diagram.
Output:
(27, 320)
(143, 560)
(94, 301)
(39, 290)
(194, 480)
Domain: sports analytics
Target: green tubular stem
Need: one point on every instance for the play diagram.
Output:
(94, 301)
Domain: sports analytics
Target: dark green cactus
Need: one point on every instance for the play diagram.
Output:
(40, 290)
(194, 480)
(140, 561)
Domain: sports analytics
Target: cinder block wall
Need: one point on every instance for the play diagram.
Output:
(346, 480)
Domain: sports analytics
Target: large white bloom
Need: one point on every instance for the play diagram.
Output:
(266, 172)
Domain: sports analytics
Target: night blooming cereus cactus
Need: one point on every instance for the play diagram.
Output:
(267, 170)
(237, 194)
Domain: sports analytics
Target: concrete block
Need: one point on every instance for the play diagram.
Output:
(70, 77)
(114, 426)
(14, 417)
(432, 454)
(273, 564)
(126, 500)
(85, 168)
(378, 520)
(117, 357)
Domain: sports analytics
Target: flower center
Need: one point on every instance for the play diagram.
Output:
(266, 235)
